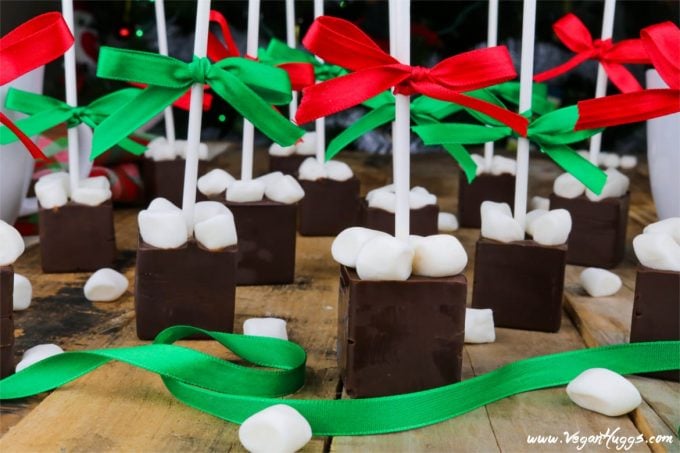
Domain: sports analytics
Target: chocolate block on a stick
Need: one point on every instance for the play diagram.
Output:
(656, 310)
(288, 165)
(522, 282)
(399, 336)
(6, 291)
(165, 178)
(329, 206)
(598, 232)
(7, 362)
(77, 238)
(188, 285)
(423, 221)
(485, 187)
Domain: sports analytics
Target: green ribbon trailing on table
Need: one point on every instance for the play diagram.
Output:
(248, 86)
(234, 392)
(552, 133)
(47, 112)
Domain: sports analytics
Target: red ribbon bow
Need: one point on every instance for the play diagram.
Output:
(662, 43)
(576, 37)
(301, 74)
(29, 46)
(340, 42)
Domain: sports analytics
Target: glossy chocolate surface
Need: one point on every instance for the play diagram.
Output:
(498, 188)
(328, 206)
(424, 221)
(165, 178)
(288, 165)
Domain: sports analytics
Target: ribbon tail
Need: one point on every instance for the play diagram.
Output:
(621, 77)
(461, 155)
(376, 118)
(27, 142)
(579, 167)
(563, 68)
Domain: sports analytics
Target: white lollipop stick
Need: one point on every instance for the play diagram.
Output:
(71, 96)
(248, 129)
(163, 50)
(320, 123)
(290, 40)
(491, 41)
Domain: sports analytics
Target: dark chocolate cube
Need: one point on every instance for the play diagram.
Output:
(399, 336)
(77, 238)
(598, 232)
(288, 165)
(6, 291)
(656, 310)
(6, 331)
(485, 187)
(165, 178)
(328, 206)
(188, 285)
(423, 221)
(522, 282)
(7, 361)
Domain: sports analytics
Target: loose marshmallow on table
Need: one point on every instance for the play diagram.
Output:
(163, 229)
(311, 170)
(419, 197)
(604, 391)
(217, 232)
(616, 186)
(440, 255)
(628, 162)
(600, 282)
(203, 210)
(160, 149)
(657, 251)
(500, 165)
(384, 258)
(479, 326)
(276, 429)
(338, 171)
(540, 203)
(105, 285)
(567, 186)
(531, 218)
(447, 222)
(246, 191)
(307, 144)
(266, 327)
(214, 182)
(498, 223)
(38, 353)
(50, 193)
(348, 243)
(23, 292)
(285, 189)
(552, 228)
(11, 244)
(277, 150)
(90, 196)
(668, 226)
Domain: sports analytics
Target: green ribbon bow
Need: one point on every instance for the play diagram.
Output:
(509, 92)
(234, 392)
(552, 133)
(248, 86)
(47, 112)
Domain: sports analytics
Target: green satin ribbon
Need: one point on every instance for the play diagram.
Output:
(250, 87)
(234, 392)
(509, 92)
(552, 132)
(47, 112)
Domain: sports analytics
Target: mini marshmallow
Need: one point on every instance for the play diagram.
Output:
(163, 229)
(214, 182)
(61, 176)
(338, 171)
(487, 206)
(11, 244)
(440, 255)
(385, 258)
(600, 282)
(277, 150)
(604, 391)
(657, 251)
(566, 186)
(90, 196)
(668, 226)
(500, 165)
(531, 218)
(374, 192)
(160, 149)
(348, 243)
(540, 203)
(285, 189)
(447, 222)
(616, 186)
(204, 210)
(479, 326)
(105, 285)
(95, 182)
(245, 191)
(181, 149)
(311, 170)
(23, 292)
(276, 429)
(610, 160)
(265, 327)
(36, 354)
(419, 197)
(307, 144)
(498, 223)
(628, 162)
(552, 228)
(50, 193)
(217, 232)
(481, 163)
(384, 200)
(269, 177)
(162, 204)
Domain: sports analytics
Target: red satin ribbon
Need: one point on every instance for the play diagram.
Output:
(339, 42)
(576, 37)
(662, 43)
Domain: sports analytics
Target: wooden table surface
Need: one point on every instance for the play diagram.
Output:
(121, 408)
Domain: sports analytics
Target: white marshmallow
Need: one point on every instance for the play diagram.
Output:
(552, 228)
(584, 153)
(217, 232)
(372, 193)
(50, 193)
(105, 285)
(668, 226)
(383, 199)
(307, 144)
(181, 149)
(163, 229)
(162, 204)
(269, 177)
(479, 326)
(90, 196)
(440, 255)
(95, 182)
(159, 149)
(657, 251)
(487, 206)
(604, 391)
(338, 171)
(276, 429)
(616, 186)
(385, 258)
(481, 163)
(204, 210)
(419, 197)
(38, 353)
(214, 182)
(566, 186)
(61, 176)
(284, 190)
(600, 282)
(531, 218)
(540, 203)
(500, 165)
(610, 160)
(348, 243)
(277, 150)
(245, 191)
(447, 222)
(628, 162)
(11, 244)
(311, 170)
(23, 293)
(265, 327)
(498, 223)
